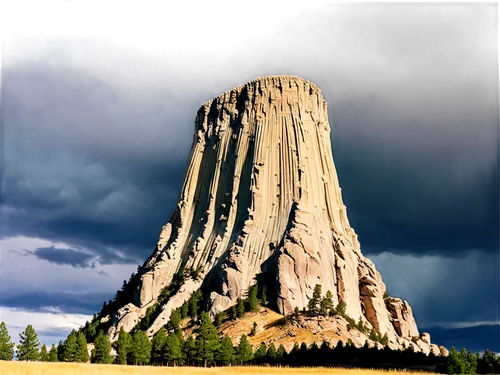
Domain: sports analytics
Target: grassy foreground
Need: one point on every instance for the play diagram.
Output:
(44, 368)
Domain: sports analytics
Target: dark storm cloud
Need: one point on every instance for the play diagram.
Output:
(70, 257)
(66, 302)
(94, 153)
(476, 339)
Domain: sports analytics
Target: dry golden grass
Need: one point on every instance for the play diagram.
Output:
(270, 328)
(41, 368)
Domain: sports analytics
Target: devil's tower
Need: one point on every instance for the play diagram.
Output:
(261, 199)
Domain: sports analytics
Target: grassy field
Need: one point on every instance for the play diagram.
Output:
(41, 368)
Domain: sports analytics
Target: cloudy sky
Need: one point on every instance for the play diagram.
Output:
(98, 106)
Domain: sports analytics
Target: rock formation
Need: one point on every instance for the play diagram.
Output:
(261, 198)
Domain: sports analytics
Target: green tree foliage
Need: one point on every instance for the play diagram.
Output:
(44, 355)
(373, 335)
(219, 318)
(207, 341)
(260, 353)
(361, 326)
(313, 304)
(263, 296)
(189, 351)
(6, 344)
(240, 308)
(280, 354)
(271, 353)
(102, 349)
(384, 340)
(326, 304)
(252, 300)
(172, 350)
(91, 328)
(70, 347)
(60, 351)
(184, 310)
(123, 346)
(141, 349)
(340, 309)
(27, 350)
(53, 354)
(489, 363)
(194, 302)
(253, 331)
(157, 346)
(151, 313)
(454, 363)
(82, 353)
(244, 352)
(175, 320)
(296, 312)
(225, 355)
(233, 313)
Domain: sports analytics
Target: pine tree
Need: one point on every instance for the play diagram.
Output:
(361, 325)
(207, 341)
(384, 340)
(232, 313)
(374, 335)
(123, 346)
(44, 355)
(193, 304)
(280, 354)
(312, 305)
(240, 309)
(184, 310)
(296, 312)
(244, 352)
(141, 349)
(253, 331)
(271, 353)
(60, 351)
(253, 301)
(260, 354)
(326, 304)
(27, 350)
(175, 320)
(102, 349)
(6, 344)
(157, 346)
(263, 296)
(294, 354)
(53, 354)
(225, 355)
(454, 363)
(219, 318)
(82, 353)
(172, 350)
(340, 309)
(69, 348)
(189, 350)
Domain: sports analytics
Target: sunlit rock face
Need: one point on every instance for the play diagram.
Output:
(261, 199)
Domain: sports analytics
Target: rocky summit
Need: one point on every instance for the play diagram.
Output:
(261, 203)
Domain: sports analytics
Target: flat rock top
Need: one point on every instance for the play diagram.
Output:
(269, 81)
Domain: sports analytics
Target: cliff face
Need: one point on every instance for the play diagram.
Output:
(261, 197)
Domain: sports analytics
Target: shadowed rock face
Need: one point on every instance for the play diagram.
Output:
(261, 196)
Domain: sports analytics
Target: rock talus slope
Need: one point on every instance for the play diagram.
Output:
(261, 197)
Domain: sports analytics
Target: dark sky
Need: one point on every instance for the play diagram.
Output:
(98, 111)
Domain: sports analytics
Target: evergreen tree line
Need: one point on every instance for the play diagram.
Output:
(124, 296)
(170, 348)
